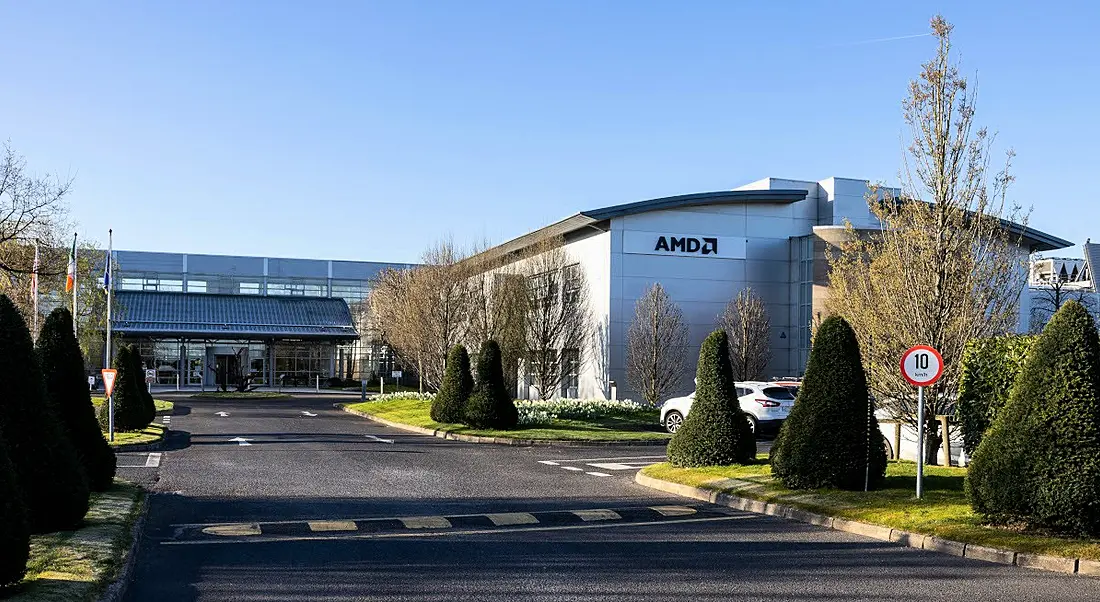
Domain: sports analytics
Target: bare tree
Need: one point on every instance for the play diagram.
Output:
(1049, 297)
(497, 306)
(748, 328)
(940, 272)
(655, 345)
(32, 208)
(558, 323)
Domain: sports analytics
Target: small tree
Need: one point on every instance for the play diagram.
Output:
(746, 323)
(449, 405)
(67, 392)
(147, 408)
(46, 465)
(15, 544)
(831, 438)
(490, 405)
(716, 431)
(1040, 461)
(129, 408)
(989, 369)
(655, 345)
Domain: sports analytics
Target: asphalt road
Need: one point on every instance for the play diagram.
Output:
(323, 505)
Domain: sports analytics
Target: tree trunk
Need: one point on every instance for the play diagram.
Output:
(932, 441)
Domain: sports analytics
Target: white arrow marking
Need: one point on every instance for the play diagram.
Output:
(154, 459)
(310, 414)
(222, 414)
(240, 441)
(379, 439)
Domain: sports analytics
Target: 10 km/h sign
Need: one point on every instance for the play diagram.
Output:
(922, 366)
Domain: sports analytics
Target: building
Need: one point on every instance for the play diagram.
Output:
(1054, 280)
(704, 248)
(276, 321)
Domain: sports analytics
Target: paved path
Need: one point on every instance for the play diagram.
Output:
(293, 500)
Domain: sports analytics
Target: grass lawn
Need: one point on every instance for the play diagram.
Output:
(160, 404)
(150, 434)
(416, 413)
(943, 512)
(240, 395)
(78, 565)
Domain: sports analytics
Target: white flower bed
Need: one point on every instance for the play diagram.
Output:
(544, 412)
(405, 395)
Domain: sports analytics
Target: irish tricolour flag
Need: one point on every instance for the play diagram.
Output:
(70, 276)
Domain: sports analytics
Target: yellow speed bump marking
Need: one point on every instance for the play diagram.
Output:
(426, 522)
(235, 530)
(513, 518)
(673, 510)
(593, 515)
(318, 526)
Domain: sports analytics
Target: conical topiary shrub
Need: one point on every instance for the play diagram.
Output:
(1040, 461)
(46, 465)
(67, 392)
(148, 407)
(449, 405)
(716, 431)
(490, 405)
(831, 433)
(130, 414)
(15, 546)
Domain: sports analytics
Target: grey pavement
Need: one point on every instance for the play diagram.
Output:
(323, 505)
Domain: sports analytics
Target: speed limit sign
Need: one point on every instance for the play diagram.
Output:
(922, 366)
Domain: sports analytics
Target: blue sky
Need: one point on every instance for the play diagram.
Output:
(365, 130)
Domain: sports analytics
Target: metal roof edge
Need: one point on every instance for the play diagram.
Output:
(695, 199)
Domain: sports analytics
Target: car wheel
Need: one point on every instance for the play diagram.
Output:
(889, 449)
(673, 421)
(752, 423)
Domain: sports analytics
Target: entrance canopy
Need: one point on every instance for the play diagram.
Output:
(207, 316)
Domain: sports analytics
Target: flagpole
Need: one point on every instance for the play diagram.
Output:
(107, 352)
(75, 333)
(34, 290)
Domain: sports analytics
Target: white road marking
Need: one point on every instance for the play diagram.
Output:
(573, 468)
(153, 460)
(513, 518)
(636, 458)
(593, 515)
(237, 530)
(595, 474)
(240, 441)
(310, 414)
(611, 466)
(222, 414)
(378, 439)
(548, 462)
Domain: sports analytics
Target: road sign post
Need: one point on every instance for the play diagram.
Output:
(109, 375)
(922, 366)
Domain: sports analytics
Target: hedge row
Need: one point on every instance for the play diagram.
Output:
(989, 369)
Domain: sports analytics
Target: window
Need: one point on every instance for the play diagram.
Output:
(196, 286)
(298, 288)
(544, 289)
(780, 393)
(571, 282)
(570, 372)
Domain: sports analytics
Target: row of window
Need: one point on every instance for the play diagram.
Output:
(351, 291)
(567, 360)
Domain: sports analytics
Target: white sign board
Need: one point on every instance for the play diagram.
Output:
(150, 376)
(922, 366)
(396, 374)
(683, 245)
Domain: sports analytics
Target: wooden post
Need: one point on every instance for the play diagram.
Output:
(897, 440)
(945, 436)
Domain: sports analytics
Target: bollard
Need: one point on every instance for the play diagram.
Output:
(363, 391)
(318, 383)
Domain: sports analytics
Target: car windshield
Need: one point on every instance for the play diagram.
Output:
(780, 393)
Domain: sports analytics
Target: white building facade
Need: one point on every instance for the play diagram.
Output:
(704, 248)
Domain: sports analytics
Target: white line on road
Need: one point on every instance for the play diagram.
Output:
(546, 462)
(307, 413)
(222, 414)
(612, 466)
(379, 439)
(153, 460)
(595, 474)
(573, 468)
(240, 441)
(639, 458)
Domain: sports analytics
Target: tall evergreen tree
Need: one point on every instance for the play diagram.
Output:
(716, 431)
(67, 393)
(15, 544)
(46, 465)
(449, 404)
(148, 409)
(130, 413)
(490, 405)
(831, 437)
(1040, 461)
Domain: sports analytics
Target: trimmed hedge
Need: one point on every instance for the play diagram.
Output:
(15, 543)
(148, 408)
(67, 391)
(449, 404)
(1040, 462)
(989, 369)
(46, 465)
(824, 441)
(130, 413)
(490, 405)
(716, 431)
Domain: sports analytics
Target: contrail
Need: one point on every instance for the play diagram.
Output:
(880, 40)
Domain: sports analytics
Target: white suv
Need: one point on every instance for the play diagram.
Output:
(767, 406)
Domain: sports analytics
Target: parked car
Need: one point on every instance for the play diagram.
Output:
(767, 406)
(792, 383)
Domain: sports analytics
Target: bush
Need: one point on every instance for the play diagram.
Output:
(15, 546)
(824, 441)
(147, 407)
(449, 405)
(1040, 461)
(989, 368)
(46, 465)
(129, 403)
(490, 405)
(716, 431)
(547, 411)
(402, 395)
(67, 393)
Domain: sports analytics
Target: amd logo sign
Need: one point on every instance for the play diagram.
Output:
(687, 244)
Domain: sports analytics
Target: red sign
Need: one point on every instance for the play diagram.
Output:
(109, 375)
(922, 366)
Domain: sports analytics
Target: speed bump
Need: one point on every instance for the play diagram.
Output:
(234, 530)
(513, 518)
(426, 522)
(594, 515)
(318, 526)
